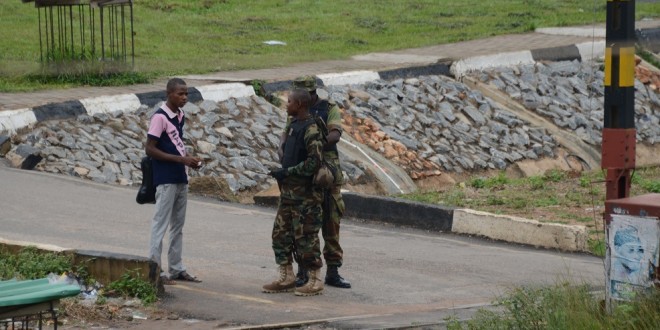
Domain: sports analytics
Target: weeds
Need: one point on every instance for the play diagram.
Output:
(648, 56)
(564, 306)
(30, 264)
(132, 285)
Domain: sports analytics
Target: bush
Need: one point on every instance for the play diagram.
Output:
(554, 175)
(565, 306)
(536, 182)
(132, 285)
(498, 181)
(477, 183)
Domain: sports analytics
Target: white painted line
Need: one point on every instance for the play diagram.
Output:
(13, 120)
(591, 50)
(348, 78)
(111, 103)
(223, 92)
(375, 164)
(461, 67)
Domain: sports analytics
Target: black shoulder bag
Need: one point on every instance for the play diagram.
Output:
(147, 192)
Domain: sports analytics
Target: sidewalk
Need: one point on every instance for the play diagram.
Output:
(552, 42)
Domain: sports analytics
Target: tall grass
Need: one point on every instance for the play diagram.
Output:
(198, 36)
(565, 306)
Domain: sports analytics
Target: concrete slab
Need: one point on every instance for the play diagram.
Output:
(461, 67)
(348, 78)
(13, 120)
(111, 103)
(222, 92)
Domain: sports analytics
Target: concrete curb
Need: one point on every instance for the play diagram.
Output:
(528, 232)
(15, 120)
(106, 267)
(401, 212)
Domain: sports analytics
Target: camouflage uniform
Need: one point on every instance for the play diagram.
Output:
(333, 205)
(299, 214)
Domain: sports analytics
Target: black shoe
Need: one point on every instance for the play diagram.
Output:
(333, 278)
(301, 277)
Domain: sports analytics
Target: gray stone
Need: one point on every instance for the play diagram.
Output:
(474, 115)
(5, 145)
(208, 106)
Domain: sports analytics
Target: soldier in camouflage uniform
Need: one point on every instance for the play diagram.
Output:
(333, 204)
(298, 220)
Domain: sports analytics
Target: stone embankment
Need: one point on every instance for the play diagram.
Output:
(432, 124)
(427, 125)
(571, 95)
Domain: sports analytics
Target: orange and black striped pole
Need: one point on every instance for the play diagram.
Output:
(619, 134)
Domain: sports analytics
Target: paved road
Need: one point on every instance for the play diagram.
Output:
(393, 270)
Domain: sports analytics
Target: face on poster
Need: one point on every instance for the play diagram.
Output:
(633, 244)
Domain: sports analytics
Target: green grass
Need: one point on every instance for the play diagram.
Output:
(564, 306)
(31, 263)
(174, 37)
(132, 285)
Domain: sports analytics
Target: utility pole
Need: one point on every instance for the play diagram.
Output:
(619, 134)
(632, 224)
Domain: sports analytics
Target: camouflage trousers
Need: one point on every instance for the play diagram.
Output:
(296, 231)
(333, 209)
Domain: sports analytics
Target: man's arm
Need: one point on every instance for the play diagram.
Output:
(155, 153)
(334, 125)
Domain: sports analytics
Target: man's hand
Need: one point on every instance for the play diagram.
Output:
(192, 162)
(279, 174)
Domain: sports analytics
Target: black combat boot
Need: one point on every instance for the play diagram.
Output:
(301, 276)
(332, 278)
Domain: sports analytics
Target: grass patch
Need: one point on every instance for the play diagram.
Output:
(564, 306)
(228, 35)
(132, 285)
(31, 263)
(648, 57)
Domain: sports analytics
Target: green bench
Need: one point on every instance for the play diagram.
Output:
(32, 300)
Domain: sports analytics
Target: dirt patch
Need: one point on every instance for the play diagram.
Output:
(77, 313)
(215, 187)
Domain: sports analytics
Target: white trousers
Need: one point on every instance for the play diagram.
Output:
(171, 201)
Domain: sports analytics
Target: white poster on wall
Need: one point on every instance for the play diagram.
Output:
(634, 248)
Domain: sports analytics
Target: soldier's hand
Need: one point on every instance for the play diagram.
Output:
(279, 174)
